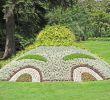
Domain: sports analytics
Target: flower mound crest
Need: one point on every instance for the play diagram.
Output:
(56, 35)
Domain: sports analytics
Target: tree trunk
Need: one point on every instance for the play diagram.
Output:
(10, 30)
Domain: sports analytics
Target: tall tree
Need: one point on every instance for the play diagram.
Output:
(10, 9)
(10, 29)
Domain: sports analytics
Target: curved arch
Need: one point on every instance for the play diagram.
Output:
(77, 72)
(34, 72)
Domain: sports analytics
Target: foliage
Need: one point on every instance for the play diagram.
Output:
(56, 35)
(87, 18)
(22, 41)
(2, 35)
(100, 39)
(29, 16)
(36, 57)
(74, 56)
(29, 20)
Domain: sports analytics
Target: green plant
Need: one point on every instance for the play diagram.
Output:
(36, 57)
(56, 35)
(73, 56)
(24, 78)
(23, 40)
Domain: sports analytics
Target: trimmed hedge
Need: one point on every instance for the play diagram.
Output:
(36, 57)
(99, 39)
(56, 35)
(74, 56)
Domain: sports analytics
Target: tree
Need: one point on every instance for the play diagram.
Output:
(10, 29)
(24, 14)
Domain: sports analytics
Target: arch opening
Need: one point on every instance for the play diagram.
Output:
(30, 74)
(24, 78)
(85, 74)
(87, 77)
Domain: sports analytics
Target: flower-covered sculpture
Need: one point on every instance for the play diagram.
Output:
(56, 63)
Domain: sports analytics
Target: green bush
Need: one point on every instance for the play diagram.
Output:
(22, 41)
(36, 57)
(73, 56)
(56, 35)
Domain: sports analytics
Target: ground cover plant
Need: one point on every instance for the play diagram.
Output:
(99, 90)
(73, 56)
(35, 57)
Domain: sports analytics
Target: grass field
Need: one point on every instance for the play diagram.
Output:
(100, 48)
(55, 91)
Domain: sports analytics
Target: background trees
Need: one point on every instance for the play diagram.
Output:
(88, 18)
(25, 18)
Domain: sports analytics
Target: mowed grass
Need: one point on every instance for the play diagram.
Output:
(100, 48)
(55, 91)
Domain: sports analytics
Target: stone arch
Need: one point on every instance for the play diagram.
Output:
(77, 73)
(34, 72)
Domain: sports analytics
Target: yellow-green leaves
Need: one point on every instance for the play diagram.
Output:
(56, 35)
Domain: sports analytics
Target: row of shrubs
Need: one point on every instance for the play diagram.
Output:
(100, 39)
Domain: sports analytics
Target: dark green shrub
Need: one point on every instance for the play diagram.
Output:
(23, 40)
(73, 56)
(56, 35)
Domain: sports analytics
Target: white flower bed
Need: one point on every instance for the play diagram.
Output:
(34, 74)
(55, 68)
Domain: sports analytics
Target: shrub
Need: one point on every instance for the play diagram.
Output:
(56, 35)
(22, 40)
(73, 56)
(36, 57)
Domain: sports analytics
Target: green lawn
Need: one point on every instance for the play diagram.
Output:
(100, 48)
(55, 91)
(99, 90)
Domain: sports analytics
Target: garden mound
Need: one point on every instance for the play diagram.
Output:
(53, 63)
(56, 59)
